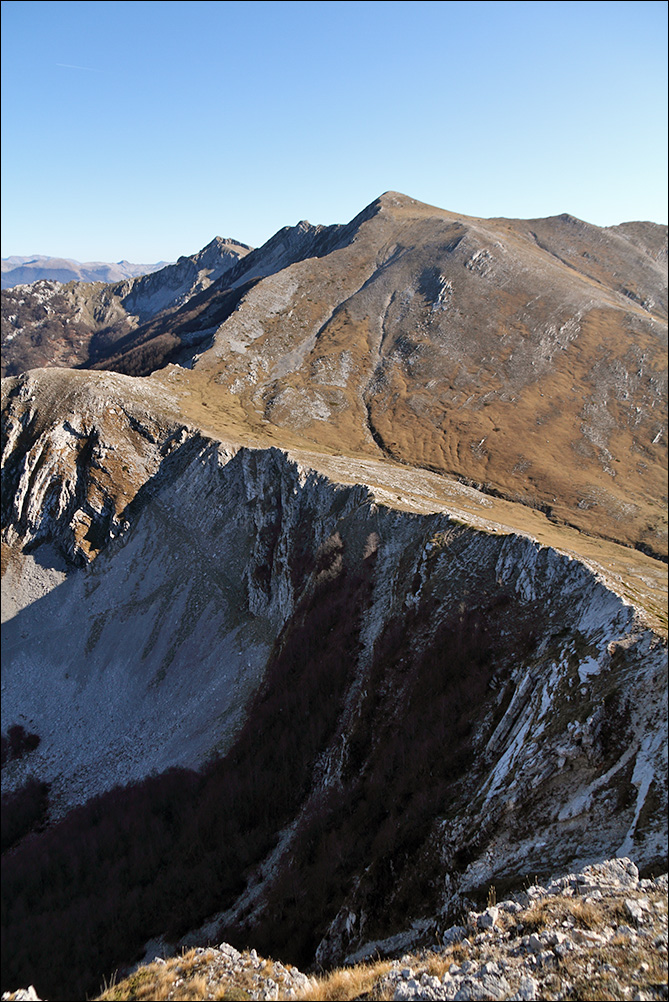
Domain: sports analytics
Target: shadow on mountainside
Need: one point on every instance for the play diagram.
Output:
(188, 330)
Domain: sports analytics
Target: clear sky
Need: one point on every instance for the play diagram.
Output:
(141, 130)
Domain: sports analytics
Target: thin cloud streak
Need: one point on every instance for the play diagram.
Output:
(69, 66)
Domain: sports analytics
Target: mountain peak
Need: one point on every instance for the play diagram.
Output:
(224, 242)
(396, 198)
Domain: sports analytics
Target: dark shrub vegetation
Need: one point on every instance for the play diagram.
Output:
(164, 854)
(23, 810)
(407, 753)
(16, 743)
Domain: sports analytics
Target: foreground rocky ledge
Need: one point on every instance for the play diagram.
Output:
(594, 935)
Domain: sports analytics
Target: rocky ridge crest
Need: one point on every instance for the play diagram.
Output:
(51, 323)
(598, 933)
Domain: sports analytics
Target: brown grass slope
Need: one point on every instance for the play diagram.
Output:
(490, 350)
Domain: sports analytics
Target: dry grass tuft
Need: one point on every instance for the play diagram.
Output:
(346, 983)
(176, 979)
(459, 953)
(583, 914)
(231, 993)
(586, 916)
(437, 964)
(146, 984)
(193, 990)
(537, 917)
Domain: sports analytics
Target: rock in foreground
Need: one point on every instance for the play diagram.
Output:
(597, 934)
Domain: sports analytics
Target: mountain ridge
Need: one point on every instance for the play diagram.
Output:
(333, 372)
(49, 323)
(353, 556)
(23, 270)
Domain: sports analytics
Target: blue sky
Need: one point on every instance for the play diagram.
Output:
(142, 130)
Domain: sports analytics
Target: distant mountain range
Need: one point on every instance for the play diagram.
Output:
(18, 270)
(51, 324)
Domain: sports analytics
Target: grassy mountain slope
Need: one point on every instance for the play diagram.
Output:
(527, 358)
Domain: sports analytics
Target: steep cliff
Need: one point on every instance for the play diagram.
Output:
(412, 706)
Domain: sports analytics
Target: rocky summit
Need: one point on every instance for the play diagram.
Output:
(334, 595)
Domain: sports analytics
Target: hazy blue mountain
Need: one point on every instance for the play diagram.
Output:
(18, 270)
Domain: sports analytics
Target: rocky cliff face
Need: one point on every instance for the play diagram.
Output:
(176, 284)
(76, 450)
